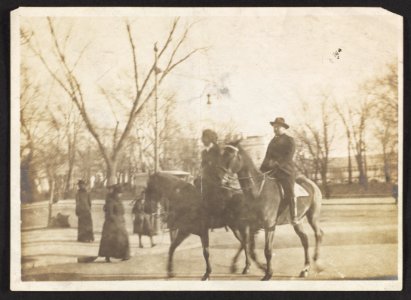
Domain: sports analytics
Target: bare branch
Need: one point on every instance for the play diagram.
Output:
(180, 61)
(133, 49)
(136, 105)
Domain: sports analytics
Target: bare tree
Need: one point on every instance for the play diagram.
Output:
(317, 138)
(30, 119)
(70, 83)
(384, 90)
(67, 121)
(358, 118)
(347, 127)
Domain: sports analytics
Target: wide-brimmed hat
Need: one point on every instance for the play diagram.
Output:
(81, 181)
(281, 122)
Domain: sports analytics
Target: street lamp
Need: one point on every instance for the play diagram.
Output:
(208, 99)
(156, 136)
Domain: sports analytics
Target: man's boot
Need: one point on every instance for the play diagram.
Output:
(293, 211)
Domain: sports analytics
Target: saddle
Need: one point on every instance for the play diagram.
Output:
(299, 191)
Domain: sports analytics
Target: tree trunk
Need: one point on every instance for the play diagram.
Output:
(387, 171)
(28, 187)
(50, 206)
(361, 177)
(325, 186)
(71, 161)
(67, 187)
(349, 164)
(365, 169)
(111, 171)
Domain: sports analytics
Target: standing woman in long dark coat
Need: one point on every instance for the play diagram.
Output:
(114, 238)
(83, 212)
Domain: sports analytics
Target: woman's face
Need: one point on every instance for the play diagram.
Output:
(206, 140)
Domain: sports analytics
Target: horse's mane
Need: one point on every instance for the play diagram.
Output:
(167, 183)
(245, 156)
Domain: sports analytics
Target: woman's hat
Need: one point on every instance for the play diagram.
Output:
(280, 122)
(117, 188)
(211, 134)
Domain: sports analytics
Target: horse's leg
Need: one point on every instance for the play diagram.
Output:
(299, 229)
(206, 254)
(268, 250)
(140, 244)
(180, 237)
(253, 255)
(233, 267)
(173, 234)
(313, 218)
(245, 235)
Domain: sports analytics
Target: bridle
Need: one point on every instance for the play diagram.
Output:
(264, 175)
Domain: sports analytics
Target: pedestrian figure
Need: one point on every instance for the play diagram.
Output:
(143, 224)
(395, 192)
(114, 237)
(83, 212)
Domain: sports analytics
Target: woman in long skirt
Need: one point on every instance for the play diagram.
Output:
(114, 238)
(83, 212)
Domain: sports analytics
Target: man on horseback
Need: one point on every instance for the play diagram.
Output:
(279, 163)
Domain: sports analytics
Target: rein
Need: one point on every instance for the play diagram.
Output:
(264, 175)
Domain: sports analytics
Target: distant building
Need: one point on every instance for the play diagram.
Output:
(255, 147)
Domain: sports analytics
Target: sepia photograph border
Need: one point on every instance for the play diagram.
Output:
(16, 283)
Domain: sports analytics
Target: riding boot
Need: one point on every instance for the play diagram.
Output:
(293, 211)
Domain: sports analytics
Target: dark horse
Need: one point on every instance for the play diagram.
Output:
(188, 214)
(266, 193)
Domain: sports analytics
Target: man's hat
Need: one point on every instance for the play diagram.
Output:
(81, 181)
(281, 122)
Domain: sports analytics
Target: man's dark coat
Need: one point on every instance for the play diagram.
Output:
(279, 156)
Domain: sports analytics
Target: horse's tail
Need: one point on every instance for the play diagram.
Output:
(312, 189)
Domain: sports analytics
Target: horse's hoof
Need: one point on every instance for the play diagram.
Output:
(304, 274)
(205, 277)
(267, 277)
(141, 246)
(171, 275)
(153, 245)
(246, 270)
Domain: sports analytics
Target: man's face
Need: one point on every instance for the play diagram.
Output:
(278, 130)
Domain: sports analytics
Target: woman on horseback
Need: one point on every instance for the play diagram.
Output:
(210, 160)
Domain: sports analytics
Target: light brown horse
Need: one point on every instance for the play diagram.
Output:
(272, 210)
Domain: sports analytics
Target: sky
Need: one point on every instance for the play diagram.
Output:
(265, 60)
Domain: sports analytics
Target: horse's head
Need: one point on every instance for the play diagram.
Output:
(231, 161)
(153, 192)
